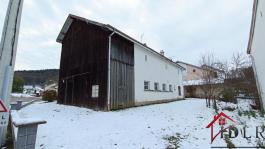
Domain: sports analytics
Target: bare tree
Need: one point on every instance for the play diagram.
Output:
(210, 79)
(226, 78)
(238, 61)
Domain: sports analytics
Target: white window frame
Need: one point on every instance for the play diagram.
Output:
(179, 91)
(95, 91)
(170, 88)
(147, 85)
(156, 86)
(164, 87)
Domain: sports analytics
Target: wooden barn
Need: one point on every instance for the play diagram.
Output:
(104, 69)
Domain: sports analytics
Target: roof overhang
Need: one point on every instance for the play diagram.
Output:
(252, 28)
(70, 19)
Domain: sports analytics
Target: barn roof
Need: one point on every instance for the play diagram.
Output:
(71, 18)
(252, 28)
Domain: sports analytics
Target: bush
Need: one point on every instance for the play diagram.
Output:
(18, 84)
(229, 95)
(49, 95)
(229, 108)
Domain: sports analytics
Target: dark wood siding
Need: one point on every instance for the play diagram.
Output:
(84, 62)
(122, 73)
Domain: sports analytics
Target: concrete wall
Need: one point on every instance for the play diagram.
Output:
(151, 67)
(258, 49)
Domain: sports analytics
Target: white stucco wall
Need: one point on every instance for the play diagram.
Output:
(154, 70)
(258, 49)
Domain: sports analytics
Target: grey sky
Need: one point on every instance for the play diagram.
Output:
(184, 29)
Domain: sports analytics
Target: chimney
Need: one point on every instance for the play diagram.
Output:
(162, 52)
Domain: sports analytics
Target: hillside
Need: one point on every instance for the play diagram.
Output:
(39, 77)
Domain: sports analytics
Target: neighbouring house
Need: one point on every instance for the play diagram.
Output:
(256, 46)
(53, 87)
(191, 72)
(193, 81)
(104, 69)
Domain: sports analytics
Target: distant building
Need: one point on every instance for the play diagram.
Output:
(256, 46)
(193, 80)
(191, 72)
(51, 87)
(34, 90)
(103, 68)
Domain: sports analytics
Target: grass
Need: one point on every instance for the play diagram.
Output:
(229, 143)
(9, 139)
(174, 141)
(249, 114)
(239, 113)
(229, 109)
(260, 144)
(262, 113)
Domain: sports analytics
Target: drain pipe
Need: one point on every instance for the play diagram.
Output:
(109, 57)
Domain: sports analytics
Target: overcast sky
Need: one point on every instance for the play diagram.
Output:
(184, 29)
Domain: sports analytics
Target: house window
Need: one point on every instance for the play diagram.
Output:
(215, 75)
(170, 88)
(146, 85)
(194, 70)
(156, 86)
(164, 87)
(95, 91)
(179, 89)
(145, 58)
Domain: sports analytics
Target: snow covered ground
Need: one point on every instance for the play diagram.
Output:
(180, 123)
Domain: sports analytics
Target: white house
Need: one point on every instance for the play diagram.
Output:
(103, 68)
(156, 77)
(256, 46)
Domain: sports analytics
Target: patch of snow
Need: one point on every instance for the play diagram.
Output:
(200, 82)
(134, 128)
(250, 120)
(19, 119)
(20, 95)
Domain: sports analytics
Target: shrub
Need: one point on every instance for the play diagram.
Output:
(18, 83)
(229, 108)
(49, 95)
(239, 113)
(229, 95)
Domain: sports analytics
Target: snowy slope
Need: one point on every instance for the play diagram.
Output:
(71, 127)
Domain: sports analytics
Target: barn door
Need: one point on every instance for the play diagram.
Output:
(121, 74)
(122, 85)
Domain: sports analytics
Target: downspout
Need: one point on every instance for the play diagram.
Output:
(108, 104)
